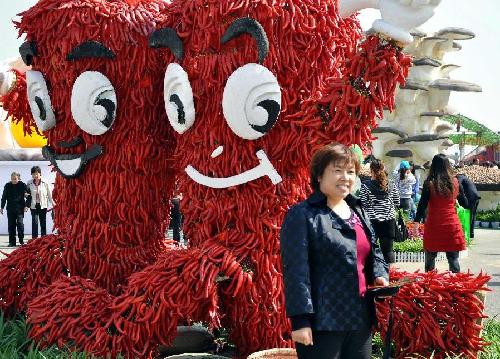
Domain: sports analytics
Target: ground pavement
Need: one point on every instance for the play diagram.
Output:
(484, 254)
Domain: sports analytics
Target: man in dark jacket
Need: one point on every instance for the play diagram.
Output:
(473, 198)
(14, 196)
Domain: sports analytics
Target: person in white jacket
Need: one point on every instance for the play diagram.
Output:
(40, 199)
(404, 182)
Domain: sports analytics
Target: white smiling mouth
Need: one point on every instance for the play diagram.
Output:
(265, 168)
(71, 165)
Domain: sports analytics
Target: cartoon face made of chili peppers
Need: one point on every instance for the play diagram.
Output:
(93, 107)
(239, 122)
(83, 127)
(105, 130)
(251, 102)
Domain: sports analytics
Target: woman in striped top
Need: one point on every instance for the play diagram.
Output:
(380, 200)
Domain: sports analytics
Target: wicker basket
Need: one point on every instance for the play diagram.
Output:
(281, 353)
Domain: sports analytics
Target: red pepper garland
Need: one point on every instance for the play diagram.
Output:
(110, 219)
(438, 314)
(15, 103)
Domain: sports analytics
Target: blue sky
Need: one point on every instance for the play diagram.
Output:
(479, 57)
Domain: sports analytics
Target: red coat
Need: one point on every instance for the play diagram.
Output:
(443, 231)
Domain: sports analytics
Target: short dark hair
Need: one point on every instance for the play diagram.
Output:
(36, 169)
(335, 153)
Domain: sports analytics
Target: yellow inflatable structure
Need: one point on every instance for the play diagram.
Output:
(26, 141)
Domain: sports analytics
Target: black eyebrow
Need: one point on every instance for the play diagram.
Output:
(27, 51)
(167, 38)
(89, 49)
(247, 25)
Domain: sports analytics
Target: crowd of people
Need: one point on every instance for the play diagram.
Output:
(19, 197)
(336, 248)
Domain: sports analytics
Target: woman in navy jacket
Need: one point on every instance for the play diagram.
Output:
(329, 257)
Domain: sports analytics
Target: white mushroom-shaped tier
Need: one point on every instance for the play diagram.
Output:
(427, 121)
(452, 34)
(427, 45)
(425, 146)
(440, 90)
(446, 69)
(425, 70)
(385, 136)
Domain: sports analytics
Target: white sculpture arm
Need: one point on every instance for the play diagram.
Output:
(349, 7)
(7, 79)
(398, 16)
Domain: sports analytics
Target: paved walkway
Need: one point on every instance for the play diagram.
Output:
(484, 254)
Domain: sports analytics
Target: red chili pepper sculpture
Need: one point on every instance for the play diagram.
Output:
(112, 190)
(251, 87)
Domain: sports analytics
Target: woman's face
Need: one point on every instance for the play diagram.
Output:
(337, 181)
(36, 176)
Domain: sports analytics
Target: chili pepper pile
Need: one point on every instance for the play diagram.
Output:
(112, 216)
(27, 271)
(437, 314)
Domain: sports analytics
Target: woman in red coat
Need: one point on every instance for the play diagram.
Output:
(443, 231)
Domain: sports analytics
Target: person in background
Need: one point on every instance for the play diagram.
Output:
(380, 200)
(13, 196)
(442, 230)
(405, 182)
(39, 198)
(329, 256)
(176, 218)
(415, 189)
(473, 198)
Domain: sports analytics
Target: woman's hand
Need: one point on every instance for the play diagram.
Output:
(381, 281)
(303, 336)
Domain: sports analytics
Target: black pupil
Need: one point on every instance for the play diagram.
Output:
(41, 108)
(181, 115)
(109, 106)
(273, 110)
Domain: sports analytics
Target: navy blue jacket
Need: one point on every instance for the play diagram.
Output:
(318, 251)
(470, 190)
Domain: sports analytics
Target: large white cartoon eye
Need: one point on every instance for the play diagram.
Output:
(178, 96)
(39, 101)
(93, 102)
(251, 101)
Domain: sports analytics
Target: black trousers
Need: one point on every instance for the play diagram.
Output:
(473, 210)
(175, 219)
(37, 213)
(405, 204)
(430, 261)
(356, 344)
(15, 221)
(386, 233)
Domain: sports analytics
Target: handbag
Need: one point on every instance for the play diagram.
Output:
(401, 232)
(464, 218)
